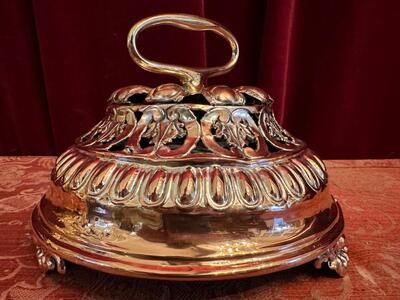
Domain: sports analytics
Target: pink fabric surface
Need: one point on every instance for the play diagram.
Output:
(368, 191)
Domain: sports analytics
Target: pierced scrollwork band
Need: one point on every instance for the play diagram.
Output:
(189, 131)
(275, 134)
(117, 124)
(159, 132)
(232, 133)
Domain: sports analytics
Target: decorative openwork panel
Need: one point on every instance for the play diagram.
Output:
(171, 130)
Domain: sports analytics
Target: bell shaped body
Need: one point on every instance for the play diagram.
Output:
(188, 182)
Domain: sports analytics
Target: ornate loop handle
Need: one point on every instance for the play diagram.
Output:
(191, 78)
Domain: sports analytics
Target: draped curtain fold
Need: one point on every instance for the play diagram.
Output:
(331, 66)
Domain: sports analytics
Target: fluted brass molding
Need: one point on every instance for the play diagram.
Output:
(262, 187)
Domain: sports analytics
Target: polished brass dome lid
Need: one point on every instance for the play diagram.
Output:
(188, 182)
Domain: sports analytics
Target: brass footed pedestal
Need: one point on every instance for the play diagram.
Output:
(188, 182)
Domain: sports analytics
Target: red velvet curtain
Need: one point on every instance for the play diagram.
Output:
(331, 66)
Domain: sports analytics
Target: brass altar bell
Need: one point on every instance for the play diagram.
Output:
(188, 182)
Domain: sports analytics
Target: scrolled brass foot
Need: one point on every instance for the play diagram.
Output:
(336, 257)
(49, 261)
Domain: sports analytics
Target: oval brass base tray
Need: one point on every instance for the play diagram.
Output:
(193, 247)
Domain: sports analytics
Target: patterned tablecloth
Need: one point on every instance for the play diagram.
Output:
(368, 190)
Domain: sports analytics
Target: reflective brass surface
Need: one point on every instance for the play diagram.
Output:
(188, 182)
(191, 78)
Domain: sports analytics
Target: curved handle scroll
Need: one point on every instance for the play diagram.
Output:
(191, 78)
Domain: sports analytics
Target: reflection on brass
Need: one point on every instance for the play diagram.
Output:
(188, 182)
(336, 257)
